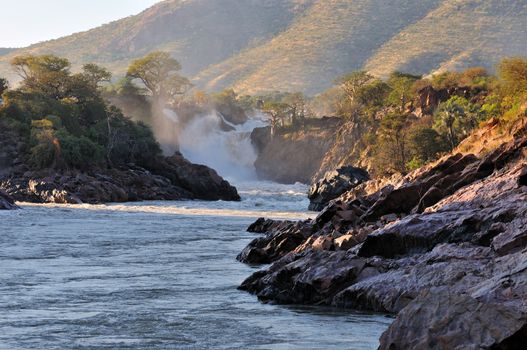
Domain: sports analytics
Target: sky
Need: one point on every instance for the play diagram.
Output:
(25, 22)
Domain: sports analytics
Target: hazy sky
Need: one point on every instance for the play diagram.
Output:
(25, 22)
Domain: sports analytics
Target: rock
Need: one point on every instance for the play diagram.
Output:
(263, 225)
(346, 242)
(334, 184)
(203, 182)
(294, 155)
(444, 248)
(171, 178)
(6, 202)
(289, 281)
(522, 179)
(284, 238)
(391, 285)
(491, 314)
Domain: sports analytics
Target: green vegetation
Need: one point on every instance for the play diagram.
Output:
(402, 122)
(64, 120)
(407, 121)
(158, 72)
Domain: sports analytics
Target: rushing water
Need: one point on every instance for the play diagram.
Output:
(154, 275)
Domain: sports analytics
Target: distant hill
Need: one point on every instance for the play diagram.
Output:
(262, 45)
(5, 50)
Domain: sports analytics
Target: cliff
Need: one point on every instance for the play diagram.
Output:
(294, 154)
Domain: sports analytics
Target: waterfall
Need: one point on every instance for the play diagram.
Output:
(204, 140)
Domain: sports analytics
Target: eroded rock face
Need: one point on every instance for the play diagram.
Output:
(491, 314)
(6, 202)
(334, 184)
(292, 156)
(444, 248)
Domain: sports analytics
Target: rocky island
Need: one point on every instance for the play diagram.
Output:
(62, 141)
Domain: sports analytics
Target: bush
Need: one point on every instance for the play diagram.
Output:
(78, 152)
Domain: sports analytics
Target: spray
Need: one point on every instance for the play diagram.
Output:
(204, 140)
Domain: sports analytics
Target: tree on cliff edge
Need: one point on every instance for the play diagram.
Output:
(159, 73)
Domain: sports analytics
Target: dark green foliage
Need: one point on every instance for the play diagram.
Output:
(79, 152)
(456, 118)
(392, 151)
(67, 123)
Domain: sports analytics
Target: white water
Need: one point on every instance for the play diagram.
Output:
(230, 153)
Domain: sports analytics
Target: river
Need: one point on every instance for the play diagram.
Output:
(155, 275)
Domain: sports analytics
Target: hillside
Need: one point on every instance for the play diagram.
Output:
(198, 32)
(332, 38)
(5, 50)
(304, 45)
(456, 35)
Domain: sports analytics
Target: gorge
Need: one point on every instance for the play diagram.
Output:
(278, 174)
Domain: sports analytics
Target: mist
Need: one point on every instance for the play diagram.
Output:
(210, 140)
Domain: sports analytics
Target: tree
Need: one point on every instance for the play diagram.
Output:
(352, 82)
(278, 111)
(425, 144)
(297, 107)
(47, 74)
(455, 118)
(401, 85)
(95, 74)
(371, 96)
(513, 76)
(159, 73)
(394, 143)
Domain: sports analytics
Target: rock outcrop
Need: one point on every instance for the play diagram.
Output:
(334, 184)
(444, 248)
(6, 202)
(172, 178)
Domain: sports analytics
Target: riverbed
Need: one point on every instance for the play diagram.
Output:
(155, 275)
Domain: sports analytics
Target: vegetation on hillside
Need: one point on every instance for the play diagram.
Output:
(402, 122)
(406, 121)
(405, 130)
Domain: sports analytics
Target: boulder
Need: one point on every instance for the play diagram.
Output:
(6, 202)
(334, 184)
(283, 238)
(199, 180)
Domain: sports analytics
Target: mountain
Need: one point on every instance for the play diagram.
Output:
(264, 45)
(198, 32)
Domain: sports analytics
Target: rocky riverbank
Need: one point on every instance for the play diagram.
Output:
(444, 248)
(334, 184)
(6, 202)
(172, 178)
